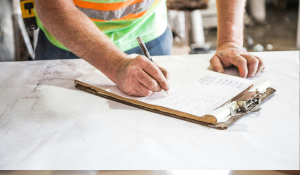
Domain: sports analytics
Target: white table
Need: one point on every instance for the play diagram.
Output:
(46, 123)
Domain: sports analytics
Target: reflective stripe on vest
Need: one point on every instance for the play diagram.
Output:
(121, 20)
(134, 10)
(104, 6)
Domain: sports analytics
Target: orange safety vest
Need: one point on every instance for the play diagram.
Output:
(122, 20)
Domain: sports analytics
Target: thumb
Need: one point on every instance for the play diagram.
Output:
(216, 64)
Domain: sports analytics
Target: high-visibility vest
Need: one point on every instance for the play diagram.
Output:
(122, 20)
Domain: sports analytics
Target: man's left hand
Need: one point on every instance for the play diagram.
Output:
(232, 54)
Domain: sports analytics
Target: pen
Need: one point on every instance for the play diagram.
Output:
(146, 53)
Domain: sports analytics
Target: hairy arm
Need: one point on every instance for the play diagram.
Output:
(138, 76)
(78, 33)
(230, 21)
(230, 40)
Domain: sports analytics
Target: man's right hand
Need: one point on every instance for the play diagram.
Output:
(75, 30)
(141, 77)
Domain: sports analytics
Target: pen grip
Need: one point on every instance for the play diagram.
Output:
(148, 56)
(144, 49)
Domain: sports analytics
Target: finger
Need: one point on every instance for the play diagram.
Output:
(155, 72)
(148, 81)
(166, 73)
(216, 64)
(241, 63)
(252, 63)
(134, 92)
(261, 65)
(143, 90)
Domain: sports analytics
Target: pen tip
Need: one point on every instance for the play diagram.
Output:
(167, 93)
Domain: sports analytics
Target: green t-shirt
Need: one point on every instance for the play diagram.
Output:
(121, 25)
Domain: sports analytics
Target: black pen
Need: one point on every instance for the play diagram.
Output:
(145, 51)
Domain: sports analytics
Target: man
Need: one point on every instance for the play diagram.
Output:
(103, 31)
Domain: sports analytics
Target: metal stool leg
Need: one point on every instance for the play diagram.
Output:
(198, 38)
(258, 10)
(198, 44)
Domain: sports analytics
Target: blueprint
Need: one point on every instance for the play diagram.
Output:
(46, 123)
(35, 90)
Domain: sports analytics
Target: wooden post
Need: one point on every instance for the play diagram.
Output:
(298, 29)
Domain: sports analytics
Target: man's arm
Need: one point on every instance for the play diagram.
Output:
(230, 40)
(81, 36)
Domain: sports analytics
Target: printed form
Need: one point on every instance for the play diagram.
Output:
(193, 90)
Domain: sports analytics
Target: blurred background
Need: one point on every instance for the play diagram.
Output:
(270, 25)
(171, 172)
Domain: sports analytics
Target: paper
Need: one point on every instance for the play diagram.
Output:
(235, 72)
(60, 127)
(193, 90)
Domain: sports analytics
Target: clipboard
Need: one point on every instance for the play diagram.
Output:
(248, 101)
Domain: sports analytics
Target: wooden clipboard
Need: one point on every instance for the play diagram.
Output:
(246, 102)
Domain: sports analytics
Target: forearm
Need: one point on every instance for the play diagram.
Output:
(230, 40)
(230, 21)
(79, 34)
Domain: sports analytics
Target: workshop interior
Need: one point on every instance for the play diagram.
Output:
(270, 25)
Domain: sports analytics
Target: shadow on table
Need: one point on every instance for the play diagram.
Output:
(117, 105)
(238, 128)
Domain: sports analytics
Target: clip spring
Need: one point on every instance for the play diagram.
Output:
(249, 105)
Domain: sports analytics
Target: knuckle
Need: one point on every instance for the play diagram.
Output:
(148, 92)
(254, 61)
(140, 77)
(232, 54)
(157, 74)
(140, 58)
(151, 84)
(165, 85)
(242, 62)
(261, 63)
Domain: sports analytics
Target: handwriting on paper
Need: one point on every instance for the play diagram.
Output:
(207, 94)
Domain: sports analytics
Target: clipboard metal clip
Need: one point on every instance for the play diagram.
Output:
(251, 104)
(248, 102)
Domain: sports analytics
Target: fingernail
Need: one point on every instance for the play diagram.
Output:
(219, 71)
